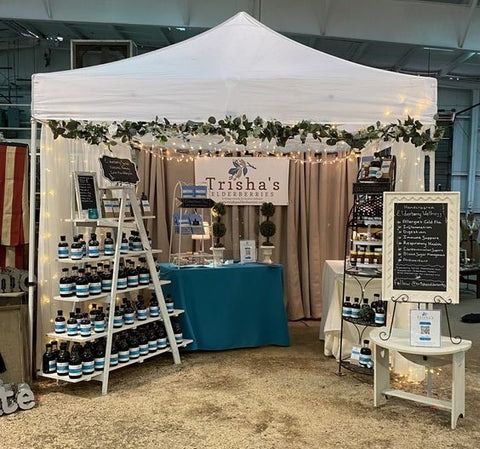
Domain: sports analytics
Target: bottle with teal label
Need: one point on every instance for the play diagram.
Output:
(152, 339)
(75, 363)
(123, 350)
(347, 308)
(142, 311)
(99, 321)
(380, 314)
(177, 330)
(114, 353)
(170, 304)
(106, 279)
(95, 283)
(124, 245)
(366, 355)
(88, 361)
(82, 287)
(134, 348)
(85, 326)
(128, 313)
(63, 248)
(60, 323)
(72, 325)
(76, 252)
(118, 320)
(122, 282)
(143, 342)
(154, 309)
(63, 360)
(93, 246)
(66, 286)
(355, 308)
(143, 272)
(109, 245)
(161, 336)
(99, 355)
(49, 363)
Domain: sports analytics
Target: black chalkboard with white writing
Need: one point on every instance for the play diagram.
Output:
(420, 246)
(119, 170)
(87, 190)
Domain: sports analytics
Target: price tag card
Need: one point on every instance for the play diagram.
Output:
(425, 328)
(248, 251)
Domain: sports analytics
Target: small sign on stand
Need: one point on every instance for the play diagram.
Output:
(119, 170)
(248, 251)
(425, 329)
(87, 194)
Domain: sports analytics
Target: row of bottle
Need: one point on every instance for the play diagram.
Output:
(370, 313)
(91, 280)
(96, 320)
(362, 255)
(127, 345)
(80, 249)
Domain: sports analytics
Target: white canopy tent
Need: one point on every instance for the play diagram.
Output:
(239, 67)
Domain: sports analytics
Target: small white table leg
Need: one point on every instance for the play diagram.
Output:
(381, 375)
(458, 387)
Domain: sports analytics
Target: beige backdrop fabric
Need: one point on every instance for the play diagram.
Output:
(309, 231)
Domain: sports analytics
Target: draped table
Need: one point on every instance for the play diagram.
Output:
(233, 306)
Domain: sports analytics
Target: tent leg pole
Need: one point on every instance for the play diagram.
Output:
(31, 237)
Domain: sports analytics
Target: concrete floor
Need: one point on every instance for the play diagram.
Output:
(257, 398)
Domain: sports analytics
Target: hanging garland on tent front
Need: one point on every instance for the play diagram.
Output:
(240, 129)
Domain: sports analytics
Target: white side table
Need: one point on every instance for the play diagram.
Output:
(447, 353)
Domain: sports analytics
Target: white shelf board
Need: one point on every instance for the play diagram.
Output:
(94, 336)
(55, 376)
(102, 257)
(104, 222)
(107, 294)
(367, 242)
(368, 265)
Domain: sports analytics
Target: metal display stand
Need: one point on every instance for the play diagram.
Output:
(118, 226)
(191, 255)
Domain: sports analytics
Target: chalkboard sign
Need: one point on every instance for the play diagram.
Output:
(86, 191)
(119, 170)
(420, 245)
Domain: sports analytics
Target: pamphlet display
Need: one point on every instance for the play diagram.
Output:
(425, 329)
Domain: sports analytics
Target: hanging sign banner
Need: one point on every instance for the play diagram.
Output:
(420, 246)
(246, 181)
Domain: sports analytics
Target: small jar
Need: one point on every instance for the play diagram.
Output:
(368, 258)
(378, 255)
(353, 257)
(360, 254)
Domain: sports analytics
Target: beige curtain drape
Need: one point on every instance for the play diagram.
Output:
(310, 230)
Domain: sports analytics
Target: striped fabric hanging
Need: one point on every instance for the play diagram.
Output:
(13, 205)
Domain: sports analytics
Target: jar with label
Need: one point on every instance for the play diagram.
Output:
(378, 255)
(353, 257)
(360, 254)
(368, 258)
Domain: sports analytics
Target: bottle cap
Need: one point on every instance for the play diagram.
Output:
(60, 312)
(366, 342)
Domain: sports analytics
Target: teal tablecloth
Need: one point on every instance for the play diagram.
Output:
(234, 306)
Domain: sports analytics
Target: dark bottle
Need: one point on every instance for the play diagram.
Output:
(73, 280)
(84, 245)
(122, 282)
(142, 311)
(93, 246)
(132, 274)
(356, 308)
(75, 363)
(114, 353)
(66, 286)
(76, 251)
(137, 241)
(95, 284)
(49, 364)
(161, 336)
(85, 326)
(177, 330)
(63, 360)
(134, 349)
(154, 309)
(143, 342)
(88, 361)
(376, 301)
(81, 284)
(63, 248)
(366, 355)
(143, 272)
(152, 339)
(106, 279)
(78, 315)
(347, 308)
(88, 272)
(380, 314)
(170, 304)
(130, 240)
(375, 169)
(123, 350)
(149, 239)
(60, 324)
(92, 314)
(109, 245)
(72, 325)
(55, 350)
(100, 269)
(128, 313)
(118, 318)
(99, 354)
(124, 245)
(99, 322)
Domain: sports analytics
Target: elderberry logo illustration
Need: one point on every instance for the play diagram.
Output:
(240, 168)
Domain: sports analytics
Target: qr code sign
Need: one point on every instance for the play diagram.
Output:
(425, 330)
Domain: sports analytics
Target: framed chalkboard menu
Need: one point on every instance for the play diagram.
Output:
(86, 191)
(420, 245)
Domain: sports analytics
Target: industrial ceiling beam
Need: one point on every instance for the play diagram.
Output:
(404, 59)
(468, 23)
(459, 60)
(430, 24)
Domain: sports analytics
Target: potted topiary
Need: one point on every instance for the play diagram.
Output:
(267, 229)
(218, 230)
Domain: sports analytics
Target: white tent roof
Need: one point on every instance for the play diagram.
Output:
(239, 67)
